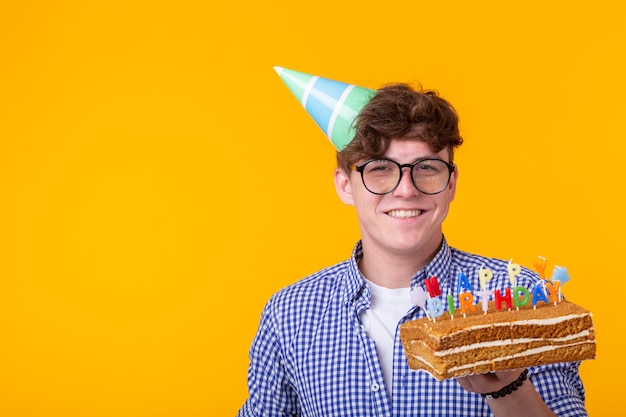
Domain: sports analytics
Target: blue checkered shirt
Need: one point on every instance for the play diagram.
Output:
(312, 357)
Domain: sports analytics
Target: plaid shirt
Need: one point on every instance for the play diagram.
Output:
(312, 357)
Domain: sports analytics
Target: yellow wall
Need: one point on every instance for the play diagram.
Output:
(158, 182)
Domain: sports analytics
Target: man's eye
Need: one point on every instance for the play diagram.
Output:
(425, 167)
(379, 167)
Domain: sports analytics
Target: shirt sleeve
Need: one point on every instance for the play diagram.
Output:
(561, 388)
(269, 389)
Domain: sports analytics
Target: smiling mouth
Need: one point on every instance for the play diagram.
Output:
(404, 214)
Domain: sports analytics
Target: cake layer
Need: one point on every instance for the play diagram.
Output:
(499, 340)
(533, 357)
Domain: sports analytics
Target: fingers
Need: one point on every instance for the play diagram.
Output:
(489, 382)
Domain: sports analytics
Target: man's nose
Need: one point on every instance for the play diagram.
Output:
(405, 186)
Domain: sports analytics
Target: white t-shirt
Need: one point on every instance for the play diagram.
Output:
(388, 306)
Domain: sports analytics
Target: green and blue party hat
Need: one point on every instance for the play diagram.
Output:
(333, 104)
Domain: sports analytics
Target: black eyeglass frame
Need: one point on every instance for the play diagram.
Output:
(360, 168)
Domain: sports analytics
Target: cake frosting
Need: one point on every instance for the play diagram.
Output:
(499, 339)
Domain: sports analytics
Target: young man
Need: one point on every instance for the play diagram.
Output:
(329, 344)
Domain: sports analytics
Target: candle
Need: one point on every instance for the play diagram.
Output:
(499, 298)
(432, 285)
(451, 305)
(466, 301)
(560, 275)
(554, 290)
(484, 275)
(525, 294)
(539, 294)
(419, 297)
(540, 267)
(514, 270)
(484, 299)
(464, 283)
(435, 307)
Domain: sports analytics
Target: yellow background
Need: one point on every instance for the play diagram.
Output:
(158, 182)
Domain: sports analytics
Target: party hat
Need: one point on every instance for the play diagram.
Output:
(333, 104)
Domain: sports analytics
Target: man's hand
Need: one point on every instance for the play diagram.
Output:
(523, 402)
(491, 382)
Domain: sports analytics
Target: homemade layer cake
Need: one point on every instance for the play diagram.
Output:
(499, 339)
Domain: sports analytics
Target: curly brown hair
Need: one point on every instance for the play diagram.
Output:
(399, 111)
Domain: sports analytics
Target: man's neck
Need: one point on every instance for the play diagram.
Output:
(392, 270)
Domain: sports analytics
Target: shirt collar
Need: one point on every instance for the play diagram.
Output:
(440, 267)
(355, 282)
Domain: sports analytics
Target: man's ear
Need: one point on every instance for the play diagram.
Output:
(343, 186)
(452, 184)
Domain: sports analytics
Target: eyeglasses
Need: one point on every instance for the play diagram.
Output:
(382, 176)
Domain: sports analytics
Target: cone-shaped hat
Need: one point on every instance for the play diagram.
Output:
(332, 104)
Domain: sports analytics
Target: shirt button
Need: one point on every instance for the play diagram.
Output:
(375, 387)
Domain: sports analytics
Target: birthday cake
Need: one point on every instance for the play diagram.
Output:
(499, 338)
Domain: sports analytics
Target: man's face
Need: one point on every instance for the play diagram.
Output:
(404, 221)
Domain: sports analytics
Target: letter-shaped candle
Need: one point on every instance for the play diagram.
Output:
(514, 270)
(451, 305)
(554, 290)
(435, 306)
(484, 275)
(541, 267)
(432, 286)
(560, 274)
(499, 298)
(523, 293)
(464, 284)
(484, 299)
(539, 294)
(466, 301)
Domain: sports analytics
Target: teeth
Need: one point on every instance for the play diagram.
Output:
(404, 213)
